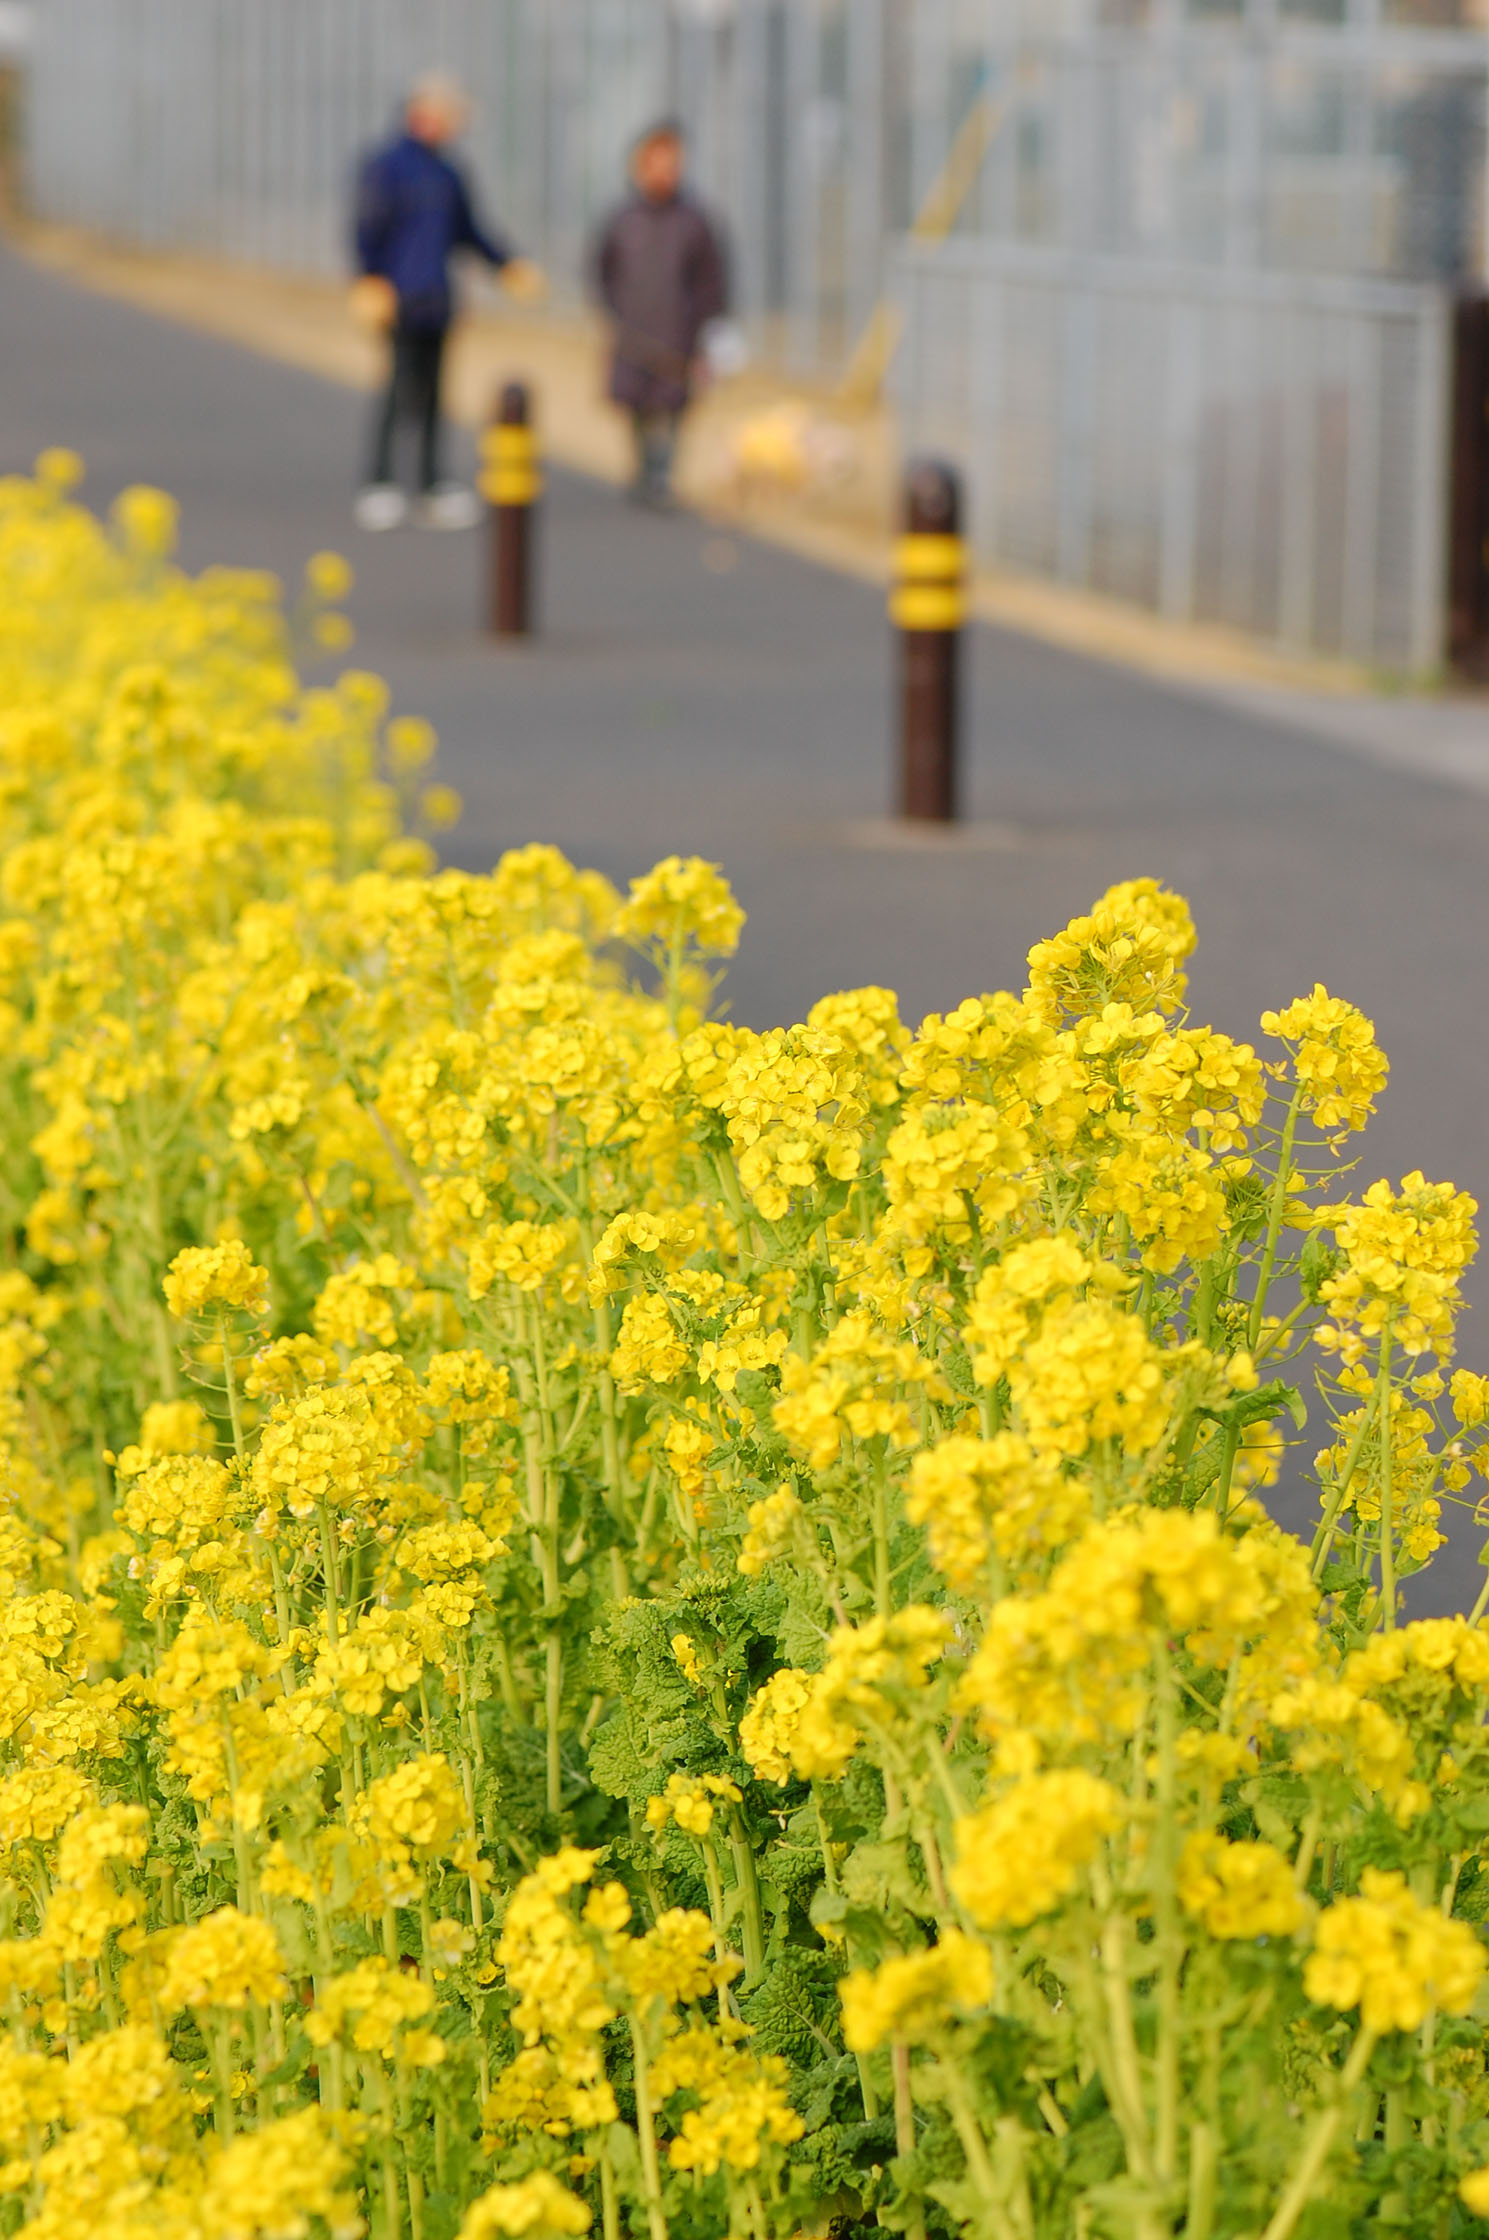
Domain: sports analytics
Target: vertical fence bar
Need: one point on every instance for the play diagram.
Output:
(989, 405)
(1362, 510)
(1178, 513)
(1079, 315)
(1298, 568)
(802, 125)
(1271, 399)
(1468, 597)
(1432, 437)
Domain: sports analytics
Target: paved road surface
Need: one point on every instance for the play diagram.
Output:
(697, 691)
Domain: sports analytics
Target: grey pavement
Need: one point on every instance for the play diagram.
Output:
(697, 691)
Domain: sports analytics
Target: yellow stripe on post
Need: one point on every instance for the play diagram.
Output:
(508, 445)
(928, 606)
(511, 482)
(511, 474)
(511, 485)
(930, 578)
(930, 559)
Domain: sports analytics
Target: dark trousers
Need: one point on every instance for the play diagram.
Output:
(655, 435)
(412, 395)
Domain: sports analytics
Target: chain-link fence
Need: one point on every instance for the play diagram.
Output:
(1321, 135)
(1110, 335)
(1251, 449)
(1327, 135)
(233, 126)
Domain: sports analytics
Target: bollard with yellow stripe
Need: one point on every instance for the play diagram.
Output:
(511, 483)
(511, 474)
(930, 583)
(928, 606)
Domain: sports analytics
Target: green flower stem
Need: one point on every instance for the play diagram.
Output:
(1395, 2208)
(468, 1786)
(281, 1601)
(1307, 1846)
(1387, 1538)
(1284, 1330)
(676, 955)
(426, 1925)
(1204, 2165)
(328, 1564)
(218, 2034)
(1275, 1210)
(241, 1856)
(1300, 2190)
(392, 2191)
(904, 2098)
(1318, 1553)
(469, 1718)
(543, 1516)
(904, 2124)
(230, 1381)
(609, 2197)
(1124, 2069)
(715, 1885)
(930, 1852)
(969, 2132)
(1229, 1448)
(329, 2060)
(1204, 1302)
(728, 1177)
(1169, 1935)
(612, 1476)
(883, 1602)
(867, 2093)
(646, 2137)
(751, 1923)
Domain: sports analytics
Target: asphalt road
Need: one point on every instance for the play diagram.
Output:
(697, 691)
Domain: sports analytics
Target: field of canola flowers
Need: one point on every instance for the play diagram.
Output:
(618, 1624)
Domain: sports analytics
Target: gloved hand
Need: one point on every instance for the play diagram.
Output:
(373, 302)
(524, 281)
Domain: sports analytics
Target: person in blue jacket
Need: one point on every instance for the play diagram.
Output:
(414, 209)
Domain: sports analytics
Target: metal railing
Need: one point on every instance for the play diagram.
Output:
(233, 127)
(1252, 449)
(1114, 339)
(1330, 135)
(1323, 135)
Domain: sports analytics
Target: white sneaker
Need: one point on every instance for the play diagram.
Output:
(449, 506)
(382, 505)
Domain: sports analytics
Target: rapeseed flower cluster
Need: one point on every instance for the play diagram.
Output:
(614, 1622)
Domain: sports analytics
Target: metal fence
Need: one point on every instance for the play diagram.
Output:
(1322, 135)
(233, 127)
(1329, 135)
(1114, 338)
(1251, 449)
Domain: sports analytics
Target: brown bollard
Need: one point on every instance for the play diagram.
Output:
(511, 483)
(928, 607)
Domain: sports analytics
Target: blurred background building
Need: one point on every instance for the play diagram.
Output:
(1174, 279)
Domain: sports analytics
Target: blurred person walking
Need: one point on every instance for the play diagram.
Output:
(661, 274)
(413, 210)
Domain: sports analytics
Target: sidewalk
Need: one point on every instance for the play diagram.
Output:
(843, 517)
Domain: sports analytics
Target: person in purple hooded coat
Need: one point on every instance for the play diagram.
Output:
(660, 272)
